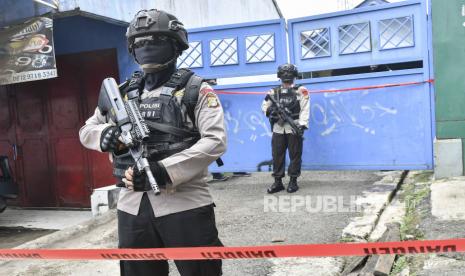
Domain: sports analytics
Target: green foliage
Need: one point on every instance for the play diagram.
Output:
(413, 214)
(423, 177)
(400, 264)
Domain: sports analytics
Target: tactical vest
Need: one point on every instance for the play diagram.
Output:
(288, 100)
(163, 115)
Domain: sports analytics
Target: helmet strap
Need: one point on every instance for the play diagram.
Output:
(155, 68)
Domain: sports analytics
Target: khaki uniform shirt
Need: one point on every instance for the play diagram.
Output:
(187, 169)
(304, 115)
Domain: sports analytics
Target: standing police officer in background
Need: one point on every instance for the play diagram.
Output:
(294, 101)
(187, 134)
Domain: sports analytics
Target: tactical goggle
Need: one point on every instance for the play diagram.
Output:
(152, 40)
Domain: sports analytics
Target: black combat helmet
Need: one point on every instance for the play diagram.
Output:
(155, 22)
(287, 72)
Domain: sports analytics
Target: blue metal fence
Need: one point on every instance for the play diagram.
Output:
(249, 134)
(236, 50)
(383, 34)
(387, 128)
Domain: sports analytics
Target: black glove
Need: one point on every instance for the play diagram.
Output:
(109, 139)
(271, 112)
(302, 128)
(159, 172)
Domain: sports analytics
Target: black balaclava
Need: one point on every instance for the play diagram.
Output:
(152, 57)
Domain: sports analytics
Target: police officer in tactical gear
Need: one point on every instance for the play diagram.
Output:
(294, 101)
(187, 133)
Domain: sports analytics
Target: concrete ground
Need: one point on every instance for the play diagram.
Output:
(18, 225)
(241, 221)
(444, 218)
(12, 237)
(14, 217)
(429, 210)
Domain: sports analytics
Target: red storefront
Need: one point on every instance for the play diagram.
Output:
(40, 120)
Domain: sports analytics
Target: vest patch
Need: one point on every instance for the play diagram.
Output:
(150, 105)
(179, 93)
(289, 100)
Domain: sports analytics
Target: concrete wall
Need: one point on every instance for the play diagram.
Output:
(202, 13)
(448, 158)
(193, 13)
(117, 10)
(12, 11)
(121, 10)
(449, 61)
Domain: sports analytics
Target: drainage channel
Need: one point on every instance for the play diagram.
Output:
(14, 236)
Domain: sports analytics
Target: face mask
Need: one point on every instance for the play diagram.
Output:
(155, 80)
(159, 53)
(152, 55)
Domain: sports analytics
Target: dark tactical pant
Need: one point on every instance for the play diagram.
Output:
(190, 228)
(279, 144)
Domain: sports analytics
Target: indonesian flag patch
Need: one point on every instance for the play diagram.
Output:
(305, 93)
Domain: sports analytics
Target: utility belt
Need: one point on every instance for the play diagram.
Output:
(165, 150)
(155, 139)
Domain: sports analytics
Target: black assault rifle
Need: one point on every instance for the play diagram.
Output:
(126, 115)
(283, 115)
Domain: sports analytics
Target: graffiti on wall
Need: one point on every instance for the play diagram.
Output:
(252, 121)
(334, 112)
(329, 114)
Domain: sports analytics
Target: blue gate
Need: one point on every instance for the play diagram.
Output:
(236, 50)
(387, 128)
(390, 127)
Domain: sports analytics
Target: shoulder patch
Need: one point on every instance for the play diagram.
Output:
(212, 100)
(304, 91)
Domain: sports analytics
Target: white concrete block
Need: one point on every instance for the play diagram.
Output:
(448, 158)
(104, 199)
(360, 227)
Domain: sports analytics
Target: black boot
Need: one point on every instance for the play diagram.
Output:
(292, 187)
(276, 187)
